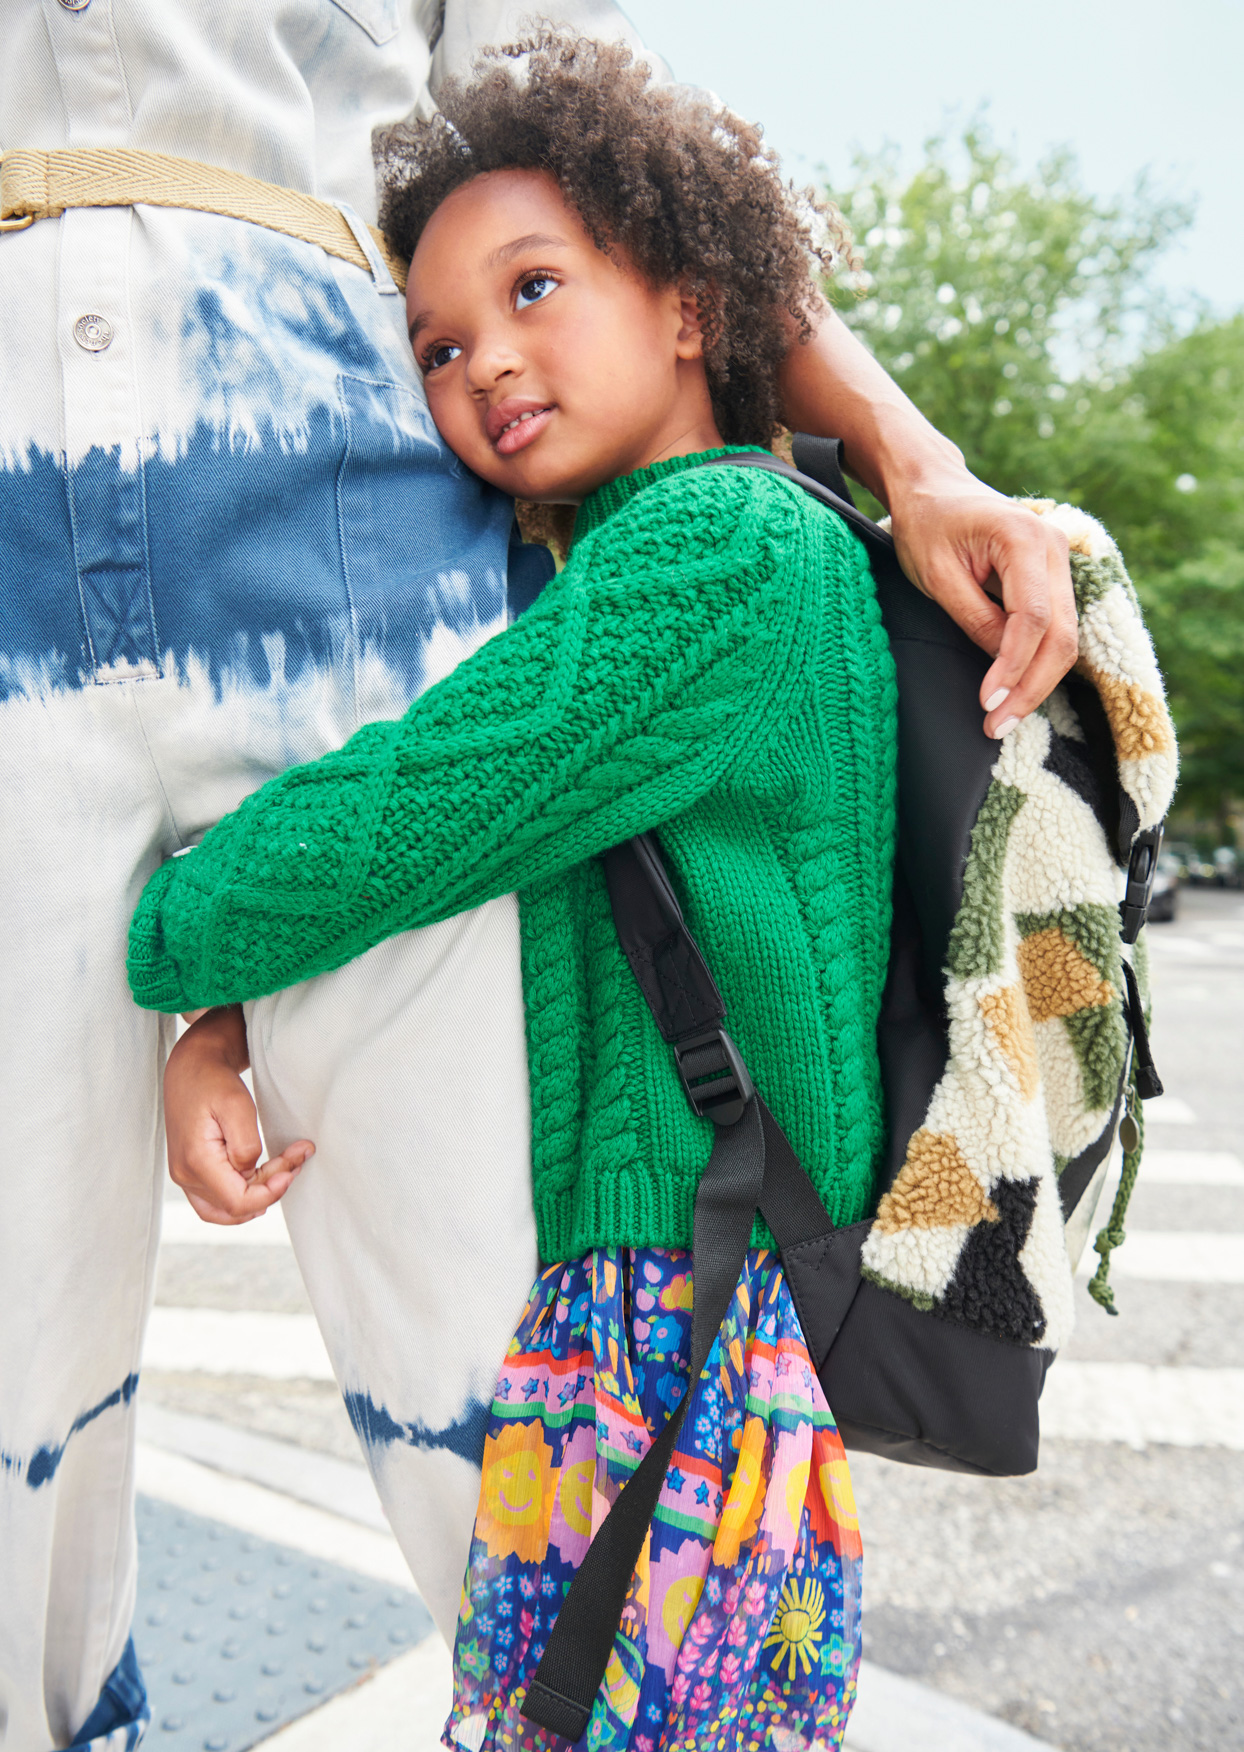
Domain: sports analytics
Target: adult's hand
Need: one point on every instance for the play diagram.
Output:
(213, 1131)
(960, 541)
(964, 545)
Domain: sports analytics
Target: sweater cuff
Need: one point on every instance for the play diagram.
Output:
(155, 980)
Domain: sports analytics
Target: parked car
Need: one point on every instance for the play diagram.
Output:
(1201, 871)
(1164, 898)
(1225, 864)
(1184, 854)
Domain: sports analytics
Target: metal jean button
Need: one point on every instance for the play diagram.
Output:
(93, 332)
(75, 5)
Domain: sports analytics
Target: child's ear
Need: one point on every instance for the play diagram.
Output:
(690, 340)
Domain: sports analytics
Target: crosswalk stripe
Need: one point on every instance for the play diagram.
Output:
(1191, 1168)
(181, 1226)
(1169, 1110)
(1166, 1256)
(1138, 1403)
(217, 1341)
(270, 1515)
(1102, 1402)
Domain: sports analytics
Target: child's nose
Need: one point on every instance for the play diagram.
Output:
(490, 363)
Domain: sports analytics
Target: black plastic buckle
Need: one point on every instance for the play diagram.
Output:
(1141, 869)
(717, 1082)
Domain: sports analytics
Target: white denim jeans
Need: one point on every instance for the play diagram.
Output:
(412, 1224)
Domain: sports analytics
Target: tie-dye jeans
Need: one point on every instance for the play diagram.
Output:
(181, 617)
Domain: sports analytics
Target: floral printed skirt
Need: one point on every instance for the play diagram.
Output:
(742, 1627)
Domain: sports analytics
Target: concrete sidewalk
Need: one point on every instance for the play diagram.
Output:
(296, 1508)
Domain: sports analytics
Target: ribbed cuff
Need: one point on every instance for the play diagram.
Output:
(155, 982)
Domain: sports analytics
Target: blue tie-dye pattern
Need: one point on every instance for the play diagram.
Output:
(43, 1462)
(270, 322)
(376, 1427)
(313, 502)
(122, 1715)
(363, 539)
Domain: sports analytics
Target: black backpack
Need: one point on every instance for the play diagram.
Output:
(949, 1380)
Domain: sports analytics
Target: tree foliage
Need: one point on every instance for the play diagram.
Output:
(1019, 313)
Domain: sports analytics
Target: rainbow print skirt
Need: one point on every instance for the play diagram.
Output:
(742, 1627)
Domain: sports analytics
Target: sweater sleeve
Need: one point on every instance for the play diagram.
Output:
(645, 670)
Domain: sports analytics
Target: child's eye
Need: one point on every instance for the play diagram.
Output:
(532, 290)
(442, 355)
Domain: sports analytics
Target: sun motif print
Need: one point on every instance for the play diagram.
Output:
(796, 1633)
(742, 1622)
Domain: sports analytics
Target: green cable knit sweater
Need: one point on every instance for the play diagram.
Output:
(711, 663)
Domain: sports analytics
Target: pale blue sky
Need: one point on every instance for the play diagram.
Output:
(1127, 83)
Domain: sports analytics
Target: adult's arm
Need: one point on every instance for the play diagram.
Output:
(954, 534)
(471, 25)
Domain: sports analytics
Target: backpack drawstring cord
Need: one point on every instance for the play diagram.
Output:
(1114, 1234)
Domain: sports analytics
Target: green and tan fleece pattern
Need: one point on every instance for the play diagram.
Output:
(972, 1227)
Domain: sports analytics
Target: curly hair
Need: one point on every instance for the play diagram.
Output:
(688, 192)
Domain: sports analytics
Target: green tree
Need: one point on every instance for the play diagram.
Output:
(1162, 454)
(1018, 312)
(1196, 613)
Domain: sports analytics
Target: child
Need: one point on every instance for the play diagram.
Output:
(604, 281)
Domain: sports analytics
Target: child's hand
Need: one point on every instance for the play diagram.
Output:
(213, 1131)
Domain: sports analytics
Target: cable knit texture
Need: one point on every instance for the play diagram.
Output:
(710, 663)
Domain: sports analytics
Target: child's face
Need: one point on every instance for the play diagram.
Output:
(514, 312)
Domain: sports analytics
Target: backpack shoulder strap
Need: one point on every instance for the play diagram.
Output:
(832, 492)
(752, 1165)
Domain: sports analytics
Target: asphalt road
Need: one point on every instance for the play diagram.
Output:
(1098, 1604)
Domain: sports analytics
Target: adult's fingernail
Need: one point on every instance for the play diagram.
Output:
(995, 699)
(1005, 727)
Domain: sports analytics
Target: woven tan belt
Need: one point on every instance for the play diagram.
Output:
(42, 185)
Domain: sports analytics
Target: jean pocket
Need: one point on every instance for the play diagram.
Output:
(424, 545)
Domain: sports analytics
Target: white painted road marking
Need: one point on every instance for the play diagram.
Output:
(216, 1341)
(1180, 949)
(252, 1508)
(1168, 1256)
(1138, 1403)
(1098, 1402)
(1169, 1110)
(1190, 1168)
(1164, 1168)
(181, 1226)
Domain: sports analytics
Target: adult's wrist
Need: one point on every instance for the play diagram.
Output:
(909, 461)
(833, 387)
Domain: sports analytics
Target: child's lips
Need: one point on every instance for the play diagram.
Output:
(519, 427)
